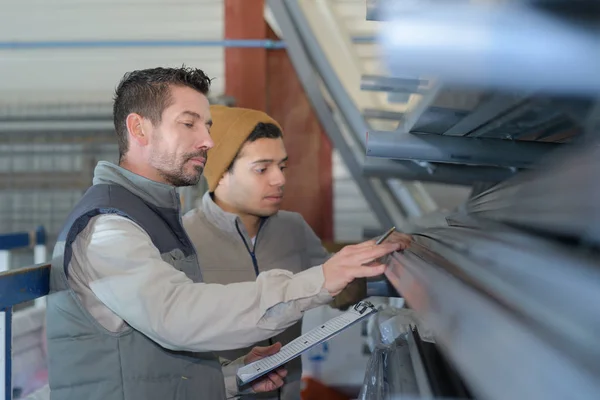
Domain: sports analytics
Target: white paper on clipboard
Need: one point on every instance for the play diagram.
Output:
(296, 347)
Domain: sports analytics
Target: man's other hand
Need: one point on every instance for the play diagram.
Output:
(274, 379)
(351, 263)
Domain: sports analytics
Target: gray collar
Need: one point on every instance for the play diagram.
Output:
(225, 221)
(156, 193)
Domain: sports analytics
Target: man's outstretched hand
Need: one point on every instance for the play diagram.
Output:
(357, 289)
(274, 379)
(356, 261)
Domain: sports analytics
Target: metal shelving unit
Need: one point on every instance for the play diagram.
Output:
(509, 282)
(482, 119)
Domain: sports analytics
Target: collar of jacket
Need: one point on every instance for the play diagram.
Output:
(223, 220)
(156, 193)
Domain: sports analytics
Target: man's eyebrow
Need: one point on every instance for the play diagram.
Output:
(268, 160)
(191, 114)
(197, 116)
(264, 160)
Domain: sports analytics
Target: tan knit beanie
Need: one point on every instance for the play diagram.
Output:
(231, 127)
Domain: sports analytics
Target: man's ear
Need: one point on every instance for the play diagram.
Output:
(224, 181)
(136, 127)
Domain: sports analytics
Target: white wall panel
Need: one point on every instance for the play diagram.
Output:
(90, 74)
(351, 213)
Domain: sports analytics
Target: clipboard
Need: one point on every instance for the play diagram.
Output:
(296, 347)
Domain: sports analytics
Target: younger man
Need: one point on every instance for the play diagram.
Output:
(239, 230)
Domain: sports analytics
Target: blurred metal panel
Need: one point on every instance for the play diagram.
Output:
(391, 84)
(493, 107)
(372, 10)
(503, 321)
(562, 199)
(463, 150)
(513, 55)
(370, 113)
(448, 173)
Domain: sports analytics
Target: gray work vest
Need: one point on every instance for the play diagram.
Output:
(88, 362)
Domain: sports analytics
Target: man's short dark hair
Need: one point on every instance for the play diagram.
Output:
(262, 130)
(147, 93)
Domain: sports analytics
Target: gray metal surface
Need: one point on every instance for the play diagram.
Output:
(448, 173)
(463, 150)
(372, 10)
(489, 114)
(391, 84)
(382, 114)
(503, 302)
(419, 370)
(509, 283)
(500, 323)
(491, 108)
(513, 56)
(562, 199)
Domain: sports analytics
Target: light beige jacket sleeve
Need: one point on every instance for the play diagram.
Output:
(230, 369)
(131, 279)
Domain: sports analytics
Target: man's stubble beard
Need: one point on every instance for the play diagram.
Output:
(177, 177)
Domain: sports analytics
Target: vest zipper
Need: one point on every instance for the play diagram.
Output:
(186, 236)
(252, 251)
(255, 265)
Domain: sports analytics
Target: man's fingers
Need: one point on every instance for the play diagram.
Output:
(282, 372)
(365, 244)
(271, 381)
(259, 352)
(374, 252)
(276, 379)
(265, 351)
(367, 272)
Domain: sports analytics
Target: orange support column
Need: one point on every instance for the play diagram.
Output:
(245, 68)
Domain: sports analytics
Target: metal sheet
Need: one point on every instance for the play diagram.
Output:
(438, 120)
(382, 114)
(419, 368)
(490, 109)
(448, 173)
(513, 55)
(561, 199)
(391, 84)
(494, 349)
(463, 150)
